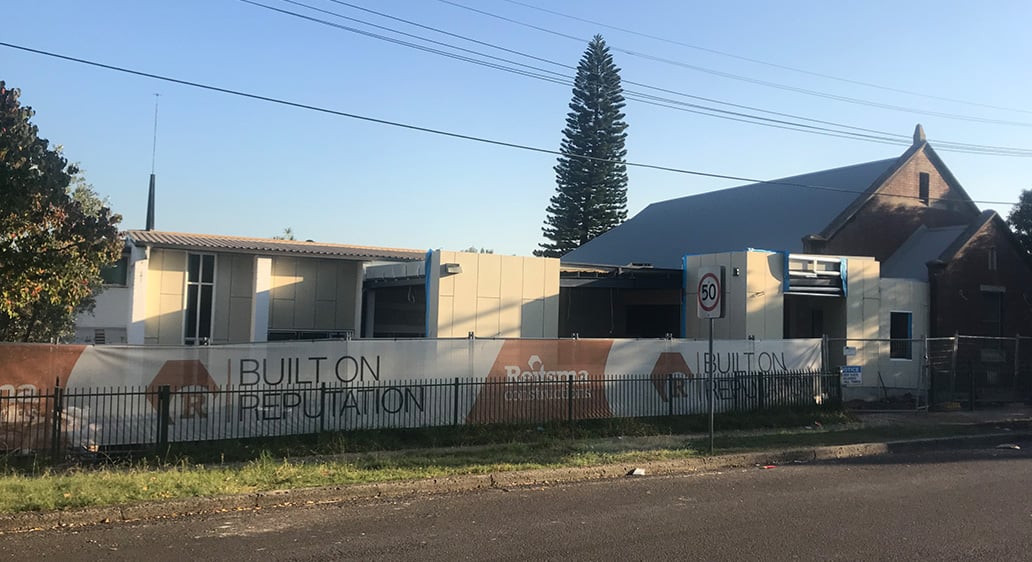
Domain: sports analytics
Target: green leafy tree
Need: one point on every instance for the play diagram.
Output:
(55, 232)
(591, 175)
(1020, 219)
(288, 234)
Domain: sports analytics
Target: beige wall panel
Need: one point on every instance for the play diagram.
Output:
(447, 282)
(304, 296)
(509, 317)
(170, 322)
(325, 316)
(550, 322)
(281, 314)
(153, 298)
(486, 319)
(164, 323)
(489, 268)
(327, 275)
(445, 323)
(284, 278)
(173, 272)
(223, 290)
(511, 283)
(533, 279)
(464, 314)
(758, 297)
(239, 320)
(533, 313)
(347, 292)
(243, 275)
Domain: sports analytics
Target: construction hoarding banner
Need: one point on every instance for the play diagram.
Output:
(302, 387)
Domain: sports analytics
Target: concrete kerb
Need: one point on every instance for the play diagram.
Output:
(503, 481)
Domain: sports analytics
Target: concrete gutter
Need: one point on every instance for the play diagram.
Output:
(503, 481)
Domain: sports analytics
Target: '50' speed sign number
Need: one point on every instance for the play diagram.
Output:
(711, 292)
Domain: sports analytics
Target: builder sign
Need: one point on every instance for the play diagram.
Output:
(300, 387)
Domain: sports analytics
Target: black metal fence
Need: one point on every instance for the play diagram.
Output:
(94, 419)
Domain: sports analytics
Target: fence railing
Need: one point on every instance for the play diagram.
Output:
(94, 419)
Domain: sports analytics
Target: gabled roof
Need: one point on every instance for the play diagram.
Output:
(772, 215)
(924, 245)
(923, 147)
(266, 246)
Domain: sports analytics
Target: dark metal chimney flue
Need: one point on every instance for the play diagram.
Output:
(150, 204)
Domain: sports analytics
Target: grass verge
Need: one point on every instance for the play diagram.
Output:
(367, 457)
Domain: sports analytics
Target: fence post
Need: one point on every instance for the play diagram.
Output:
(1017, 367)
(55, 428)
(761, 390)
(455, 402)
(971, 387)
(953, 365)
(164, 397)
(569, 398)
(322, 407)
(670, 394)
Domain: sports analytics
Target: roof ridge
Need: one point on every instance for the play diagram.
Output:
(300, 243)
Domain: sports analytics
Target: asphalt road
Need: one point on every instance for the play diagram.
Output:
(945, 505)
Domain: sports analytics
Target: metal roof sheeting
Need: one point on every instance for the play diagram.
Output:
(760, 215)
(237, 244)
(924, 245)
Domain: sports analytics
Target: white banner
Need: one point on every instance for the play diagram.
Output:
(302, 387)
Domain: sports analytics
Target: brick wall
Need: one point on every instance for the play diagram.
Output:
(885, 222)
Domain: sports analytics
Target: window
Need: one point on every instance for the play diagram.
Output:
(116, 273)
(992, 312)
(992, 258)
(900, 332)
(200, 295)
(922, 189)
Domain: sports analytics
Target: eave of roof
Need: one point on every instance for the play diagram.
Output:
(267, 246)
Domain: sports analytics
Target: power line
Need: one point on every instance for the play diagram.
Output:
(450, 134)
(767, 63)
(558, 78)
(728, 75)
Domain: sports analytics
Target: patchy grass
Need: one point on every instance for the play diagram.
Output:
(365, 457)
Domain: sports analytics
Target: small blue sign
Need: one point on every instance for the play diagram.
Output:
(852, 375)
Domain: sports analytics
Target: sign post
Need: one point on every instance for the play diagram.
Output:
(711, 305)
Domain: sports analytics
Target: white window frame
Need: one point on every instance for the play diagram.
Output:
(196, 340)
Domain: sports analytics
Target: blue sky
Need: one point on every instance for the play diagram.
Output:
(235, 166)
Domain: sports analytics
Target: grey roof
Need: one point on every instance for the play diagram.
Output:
(923, 246)
(770, 215)
(266, 246)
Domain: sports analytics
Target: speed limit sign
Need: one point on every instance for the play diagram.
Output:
(711, 292)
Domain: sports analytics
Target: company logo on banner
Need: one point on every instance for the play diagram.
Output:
(669, 374)
(189, 374)
(530, 380)
(31, 368)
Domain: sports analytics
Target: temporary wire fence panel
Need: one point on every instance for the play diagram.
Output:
(91, 419)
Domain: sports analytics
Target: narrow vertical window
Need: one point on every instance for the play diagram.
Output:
(992, 313)
(992, 258)
(922, 188)
(200, 296)
(901, 331)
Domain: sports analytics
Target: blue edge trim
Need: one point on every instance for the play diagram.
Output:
(426, 293)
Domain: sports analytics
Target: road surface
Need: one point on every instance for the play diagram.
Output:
(945, 505)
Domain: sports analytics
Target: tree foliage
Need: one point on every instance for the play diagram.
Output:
(55, 233)
(591, 175)
(288, 234)
(1020, 219)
